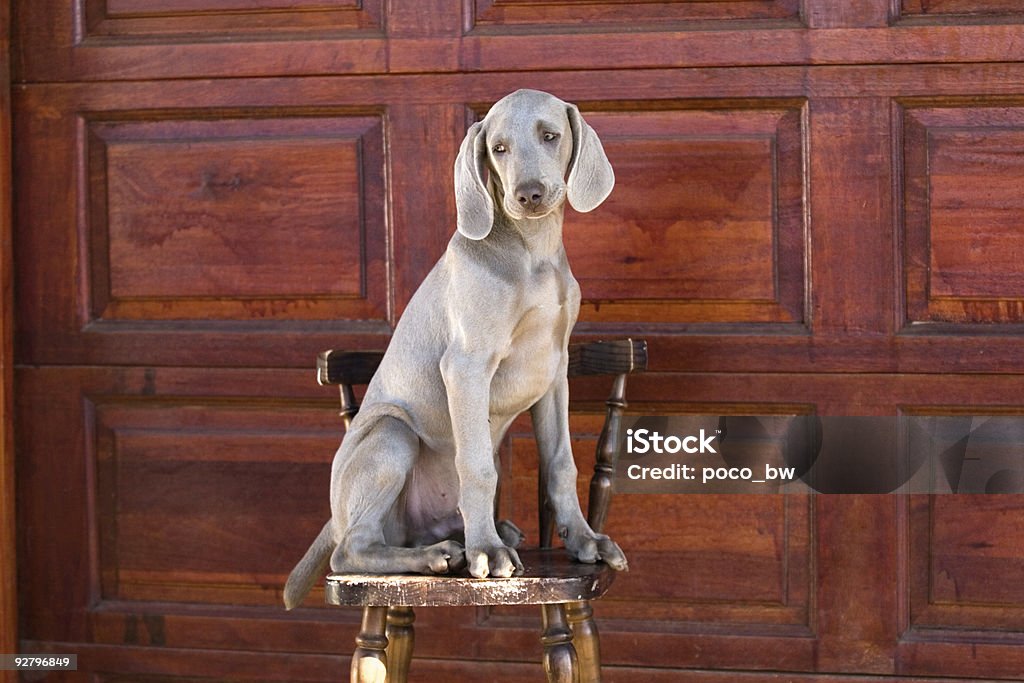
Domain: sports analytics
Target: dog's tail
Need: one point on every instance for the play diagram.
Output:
(310, 567)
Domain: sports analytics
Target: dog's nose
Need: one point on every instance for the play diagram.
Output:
(530, 195)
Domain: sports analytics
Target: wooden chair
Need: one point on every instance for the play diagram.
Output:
(561, 587)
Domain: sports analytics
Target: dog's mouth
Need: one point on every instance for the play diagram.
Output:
(534, 214)
(541, 210)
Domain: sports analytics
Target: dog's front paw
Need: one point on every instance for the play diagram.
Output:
(590, 547)
(495, 560)
(445, 557)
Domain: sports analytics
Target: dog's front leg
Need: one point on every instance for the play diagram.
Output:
(467, 377)
(551, 427)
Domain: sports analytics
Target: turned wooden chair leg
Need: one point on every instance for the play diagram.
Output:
(560, 663)
(580, 616)
(401, 638)
(369, 662)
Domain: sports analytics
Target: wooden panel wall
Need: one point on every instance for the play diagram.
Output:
(8, 531)
(817, 210)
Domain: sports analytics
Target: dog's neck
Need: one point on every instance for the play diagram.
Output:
(541, 237)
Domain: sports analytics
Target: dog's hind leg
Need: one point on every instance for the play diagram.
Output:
(368, 483)
(510, 534)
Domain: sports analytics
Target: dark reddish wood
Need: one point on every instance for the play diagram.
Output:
(856, 621)
(961, 247)
(851, 170)
(820, 14)
(8, 528)
(498, 14)
(698, 193)
(146, 664)
(137, 18)
(787, 149)
(216, 218)
(48, 45)
(958, 8)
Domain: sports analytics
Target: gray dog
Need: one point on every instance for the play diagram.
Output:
(483, 339)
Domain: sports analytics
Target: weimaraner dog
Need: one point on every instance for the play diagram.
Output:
(483, 339)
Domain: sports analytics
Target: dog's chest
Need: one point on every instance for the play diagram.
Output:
(535, 350)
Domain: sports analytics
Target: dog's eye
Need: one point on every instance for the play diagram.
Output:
(499, 149)
(549, 137)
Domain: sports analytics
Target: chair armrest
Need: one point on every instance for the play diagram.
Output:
(346, 367)
(616, 357)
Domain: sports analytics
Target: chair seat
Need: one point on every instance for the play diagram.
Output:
(549, 577)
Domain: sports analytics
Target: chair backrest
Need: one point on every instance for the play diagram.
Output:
(618, 358)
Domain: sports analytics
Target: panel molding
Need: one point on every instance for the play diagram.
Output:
(604, 15)
(956, 11)
(734, 251)
(944, 283)
(169, 442)
(961, 610)
(210, 162)
(132, 20)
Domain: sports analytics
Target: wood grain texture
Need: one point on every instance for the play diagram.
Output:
(8, 527)
(706, 221)
(203, 450)
(961, 211)
(48, 45)
(134, 19)
(959, 8)
(505, 14)
(236, 218)
(817, 212)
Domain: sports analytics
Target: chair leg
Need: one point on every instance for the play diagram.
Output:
(401, 638)
(560, 663)
(580, 616)
(370, 663)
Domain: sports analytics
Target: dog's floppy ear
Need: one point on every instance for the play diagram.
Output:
(591, 177)
(472, 201)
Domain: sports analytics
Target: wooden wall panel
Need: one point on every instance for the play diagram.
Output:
(509, 13)
(962, 211)
(207, 503)
(965, 610)
(705, 224)
(8, 526)
(237, 219)
(203, 486)
(197, 217)
(736, 561)
(188, 19)
(138, 39)
(961, 8)
(817, 211)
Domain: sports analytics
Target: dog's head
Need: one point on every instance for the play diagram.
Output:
(535, 151)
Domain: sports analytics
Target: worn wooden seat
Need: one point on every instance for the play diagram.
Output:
(562, 587)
